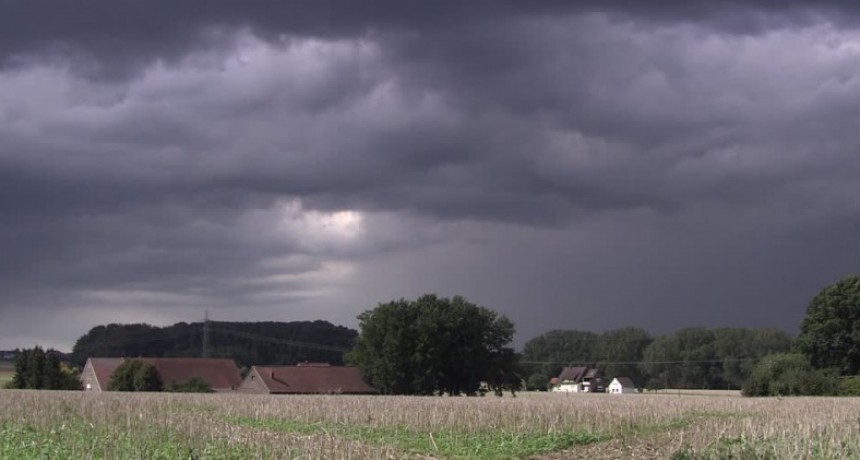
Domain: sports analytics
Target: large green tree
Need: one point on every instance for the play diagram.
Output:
(830, 332)
(433, 345)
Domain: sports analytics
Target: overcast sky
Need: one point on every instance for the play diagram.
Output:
(572, 165)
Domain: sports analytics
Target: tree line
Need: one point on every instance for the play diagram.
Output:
(247, 343)
(38, 369)
(702, 358)
(437, 345)
(443, 346)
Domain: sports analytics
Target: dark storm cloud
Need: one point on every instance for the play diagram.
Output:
(320, 157)
(128, 31)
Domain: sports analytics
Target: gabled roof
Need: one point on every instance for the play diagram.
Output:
(219, 373)
(103, 368)
(593, 373)
(572, 374)
(625, 382)
(312, 379)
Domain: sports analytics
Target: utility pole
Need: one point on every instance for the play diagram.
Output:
(206, 335)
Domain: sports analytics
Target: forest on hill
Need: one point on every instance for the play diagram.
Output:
(248, 343)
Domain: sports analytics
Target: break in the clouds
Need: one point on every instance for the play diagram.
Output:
(571, 164)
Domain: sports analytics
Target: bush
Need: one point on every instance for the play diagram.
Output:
(194, 385)
(788, 374)
(146, 378)
(537, 382)
(850, 386)
(134, 375)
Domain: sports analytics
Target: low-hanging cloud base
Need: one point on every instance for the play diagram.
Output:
(571, 165)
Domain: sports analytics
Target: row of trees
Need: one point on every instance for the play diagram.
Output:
(689, 358)
(247, 343)
(436, 345)
(37, 369)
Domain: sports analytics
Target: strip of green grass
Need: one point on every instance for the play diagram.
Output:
(448, 443)
(79, 439)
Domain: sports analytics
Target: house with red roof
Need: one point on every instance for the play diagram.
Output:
(306, 378)
(220, 374)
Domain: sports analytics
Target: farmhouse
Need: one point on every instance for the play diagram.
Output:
(621, 385)
(580, 380)
(221, 374)
(306, 378)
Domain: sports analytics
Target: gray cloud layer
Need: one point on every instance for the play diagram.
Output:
(571, 165)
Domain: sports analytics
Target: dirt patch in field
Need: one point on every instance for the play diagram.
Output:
(645, 447)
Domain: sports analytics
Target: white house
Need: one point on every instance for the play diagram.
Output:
(621, 385)
(579, 380)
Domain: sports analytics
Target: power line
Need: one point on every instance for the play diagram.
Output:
(694, 361)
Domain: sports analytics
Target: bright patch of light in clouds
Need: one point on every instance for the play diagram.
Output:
(319, 229)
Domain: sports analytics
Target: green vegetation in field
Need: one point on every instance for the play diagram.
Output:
(55, 424)
(766, 449)
(448, 443)
(79, 439)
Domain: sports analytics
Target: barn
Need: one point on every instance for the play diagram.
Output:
(220, 374)
(306, 378)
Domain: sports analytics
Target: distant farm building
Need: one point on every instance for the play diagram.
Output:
(621, 385)
(579, 380)
(220, 374)
(306, 378)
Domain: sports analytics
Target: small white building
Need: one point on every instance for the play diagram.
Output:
(621, 385)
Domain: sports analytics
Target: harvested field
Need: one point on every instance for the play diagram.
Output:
(60, 425)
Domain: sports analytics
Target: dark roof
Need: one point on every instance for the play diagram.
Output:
(219, 373)
(313, 379)
(572, 374)
(593, 373)
(625, 382)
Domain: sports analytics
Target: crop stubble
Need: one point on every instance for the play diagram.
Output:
(46, 425)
